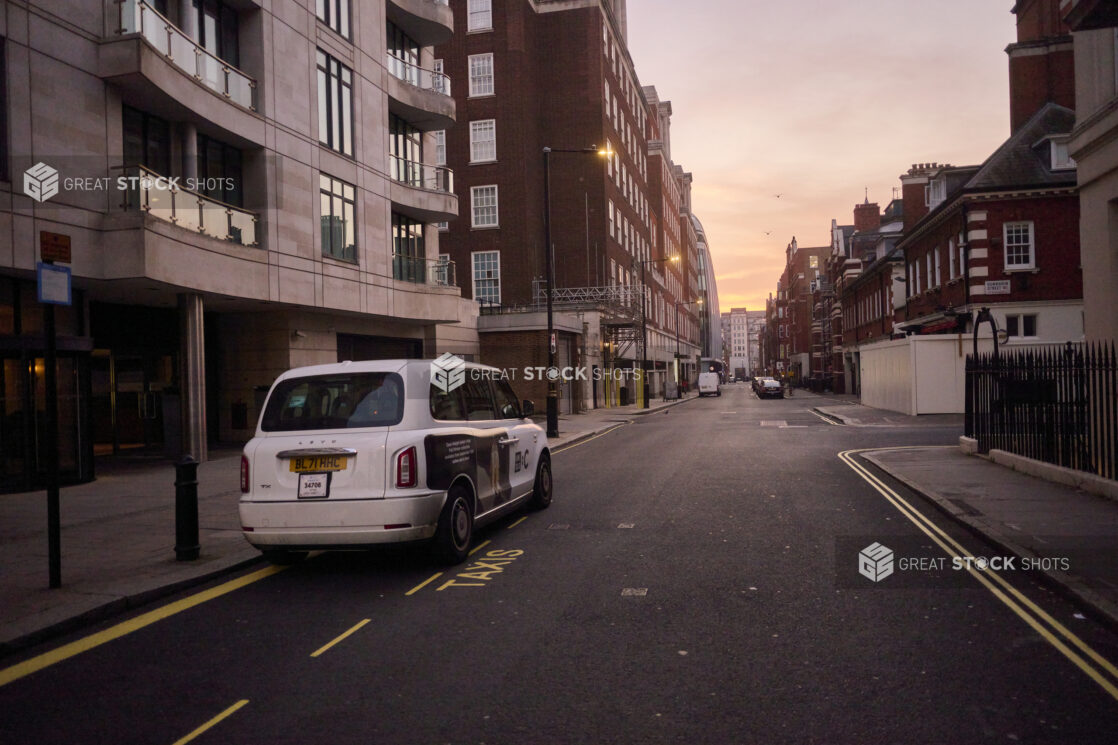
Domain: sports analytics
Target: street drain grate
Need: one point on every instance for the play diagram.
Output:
(559, 526)
(634, 592)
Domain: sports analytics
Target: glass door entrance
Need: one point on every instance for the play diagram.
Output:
(128, 402)
(23, 420)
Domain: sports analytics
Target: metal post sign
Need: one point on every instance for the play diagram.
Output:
(54, 286)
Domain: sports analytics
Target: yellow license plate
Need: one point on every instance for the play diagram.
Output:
(318, 463)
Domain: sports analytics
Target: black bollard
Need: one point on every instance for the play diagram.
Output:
(186, 509)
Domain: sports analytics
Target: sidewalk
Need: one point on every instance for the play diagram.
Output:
(1022, 515)
(118, 537)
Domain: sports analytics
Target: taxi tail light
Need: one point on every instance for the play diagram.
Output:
(406, 462)
(244, 474)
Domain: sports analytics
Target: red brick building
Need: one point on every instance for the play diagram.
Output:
(1001, 235)
(557, 74)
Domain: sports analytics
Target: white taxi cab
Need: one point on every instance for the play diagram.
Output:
(355, 454)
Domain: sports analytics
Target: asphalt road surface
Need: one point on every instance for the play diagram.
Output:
(694, 581)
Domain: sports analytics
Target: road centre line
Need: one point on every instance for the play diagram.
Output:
(318, 652)
(66, 651)
(1018, 603)
(210, 724)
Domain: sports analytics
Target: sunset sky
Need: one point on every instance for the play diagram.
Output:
(816, 100)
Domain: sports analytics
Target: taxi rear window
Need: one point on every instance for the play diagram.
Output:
(344, 401)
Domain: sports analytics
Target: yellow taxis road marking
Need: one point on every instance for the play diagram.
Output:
(517, 523)
(15, 672)
(589, 439)
(319, 651)
(479, 547)
(223, 715)
(1018, 603)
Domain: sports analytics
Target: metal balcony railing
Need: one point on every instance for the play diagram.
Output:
(161, 198)
(413, 74)
(136, 16)
(424, 271)
(422, 175)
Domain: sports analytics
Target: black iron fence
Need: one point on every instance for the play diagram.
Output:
(1058, 405)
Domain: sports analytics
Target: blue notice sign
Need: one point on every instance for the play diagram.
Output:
(54, 284)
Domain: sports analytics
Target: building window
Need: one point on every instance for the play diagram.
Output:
(4, 110)
(1019, 248)
(1061, 161)
(483, 141)
(339, 218)
(147, 140)
(403, 55)
(487, 277)
(1021, 325)
(409, 252)
(481, 74)
(335, 14)
(440, 147)
(483, 206)
(335, 104)
(479, 15)
(218, 31)
(405, 150)
(219, 171)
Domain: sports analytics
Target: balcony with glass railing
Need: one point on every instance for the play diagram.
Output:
(165, 200)
(417, 76)
(138, 17)
(424, 271)
(422, 175)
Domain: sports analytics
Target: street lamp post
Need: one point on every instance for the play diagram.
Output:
(678, 303)
(644, 326)
(549, 262)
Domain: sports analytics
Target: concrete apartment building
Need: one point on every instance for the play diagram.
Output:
(245, 187)
(556, 74)
(739, 342)
(1094, 147)
(710, 320)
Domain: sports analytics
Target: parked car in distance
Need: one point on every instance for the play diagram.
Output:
(768, 388)
(354, 454)
(709, 384)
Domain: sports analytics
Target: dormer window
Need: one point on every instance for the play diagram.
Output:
(935, 192)
(1061, 161)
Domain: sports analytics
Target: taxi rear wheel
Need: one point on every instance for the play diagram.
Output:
(456, 526)
(541, 493)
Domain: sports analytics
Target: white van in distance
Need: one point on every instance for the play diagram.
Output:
(354, 454)
(708, 384)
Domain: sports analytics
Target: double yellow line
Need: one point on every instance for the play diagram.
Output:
(1097, 667)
